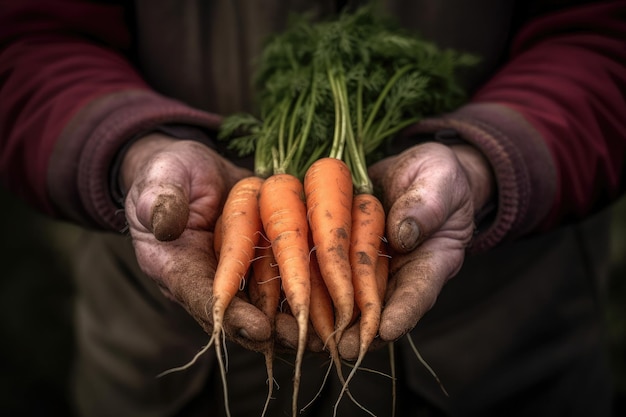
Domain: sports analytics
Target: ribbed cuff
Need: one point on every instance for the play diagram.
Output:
(80, 168)
(522, 164)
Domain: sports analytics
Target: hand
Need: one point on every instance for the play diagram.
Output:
(176, 190)
(431, 193)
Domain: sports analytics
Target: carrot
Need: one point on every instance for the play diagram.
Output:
(264, 288)
(368, 226)
(283, 214)
(322, 315)
(264, 291)
(217, 238)
(321, 310)
(239, 234)
(382, 269)
(328, 189)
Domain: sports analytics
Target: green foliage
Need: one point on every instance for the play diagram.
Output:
(342, 88)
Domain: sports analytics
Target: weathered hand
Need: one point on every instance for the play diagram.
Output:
(176, 190)
(431, 193)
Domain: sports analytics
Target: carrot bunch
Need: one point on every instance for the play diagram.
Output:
(307, 226)
(316, 241)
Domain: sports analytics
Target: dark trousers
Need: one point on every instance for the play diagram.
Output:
(519, 332)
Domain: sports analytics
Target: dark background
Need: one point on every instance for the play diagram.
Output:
(36, 315)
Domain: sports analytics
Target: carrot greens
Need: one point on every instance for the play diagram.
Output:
(342, 88)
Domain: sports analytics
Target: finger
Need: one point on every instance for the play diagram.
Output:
(287, 334)
(417, 213)
(162, 205)
(247, 325)
(418, 278)
(421, 188)
(169, 214)
(350, 343)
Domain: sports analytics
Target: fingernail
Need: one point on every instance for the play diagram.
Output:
(408, 234)
(169, 217)
(244, 333)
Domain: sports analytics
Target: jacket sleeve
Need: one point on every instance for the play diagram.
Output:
(552, 121)
(70, 98)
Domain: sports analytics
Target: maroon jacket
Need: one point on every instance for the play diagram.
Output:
(552, 121)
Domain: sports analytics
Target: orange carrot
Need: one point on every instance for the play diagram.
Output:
(368, 226)
(239, 234)
(264, 288)
(283, 214)
(264, 291)
(217, 237)
(328, 188)
(322, 314)
(382, 269)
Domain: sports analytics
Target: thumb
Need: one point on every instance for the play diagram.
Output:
(419, 192)
(164, 210)
(415, 214)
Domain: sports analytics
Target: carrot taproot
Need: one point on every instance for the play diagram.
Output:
(382, 269)
(322, 314)
(264, 292)
(283, 214)
(264, 287)
(239, 234)
(368, 226)
(328, 190)
(321, 310)
(217, 237)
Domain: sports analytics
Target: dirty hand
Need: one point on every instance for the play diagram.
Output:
(431, 193)
(175, 193)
